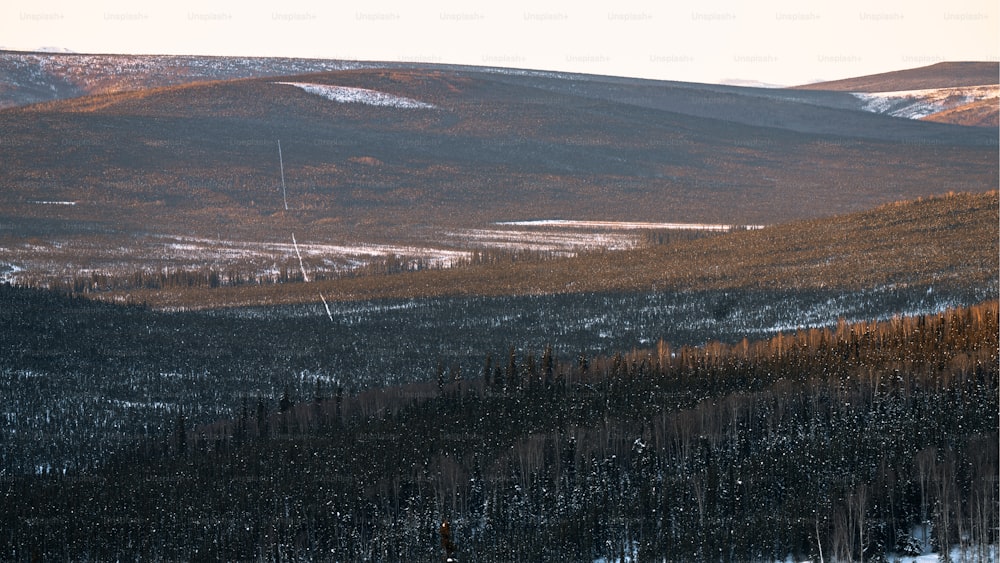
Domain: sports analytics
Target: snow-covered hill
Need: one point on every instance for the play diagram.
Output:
(919, 104)
(27, 78)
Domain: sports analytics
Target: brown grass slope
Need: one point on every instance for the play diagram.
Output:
(948, 241)
(982, 113)
(940, 75)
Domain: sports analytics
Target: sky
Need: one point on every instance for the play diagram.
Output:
(780, 42)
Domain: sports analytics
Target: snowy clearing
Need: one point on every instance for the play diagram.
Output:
(222, 248)
(201, 250)
(442, 249)
(544, 241)
(69, 259)
(917, 104)
(349, 95)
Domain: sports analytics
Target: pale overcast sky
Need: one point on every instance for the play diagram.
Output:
(772, 41)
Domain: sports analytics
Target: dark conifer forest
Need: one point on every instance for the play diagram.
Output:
(844, 443)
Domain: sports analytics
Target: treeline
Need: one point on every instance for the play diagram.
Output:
(659, 237)
(837, 444)
(98, 280)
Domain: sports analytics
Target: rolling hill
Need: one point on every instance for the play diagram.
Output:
(961, 93)
(33, 77)
(982, 113)
(182, 177)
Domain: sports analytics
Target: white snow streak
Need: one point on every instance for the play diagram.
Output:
(305, 276)
(348, 95)
(54, 202)
(627, 225)
(326, 305)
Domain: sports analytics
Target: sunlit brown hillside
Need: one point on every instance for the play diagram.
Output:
(984, 113)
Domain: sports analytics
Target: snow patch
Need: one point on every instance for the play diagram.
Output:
(544, 241)
(8, 273)
(917, 104)
(215, 250)
(351, 95)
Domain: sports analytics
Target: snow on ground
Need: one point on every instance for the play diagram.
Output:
(86, 70)
(347, 94)
(627, 225)
(956, 554)
(917, 104)
(72, 259)
(568, 237)
(69, 259)
(8, 272)
(825, 315)
(202, 247)
(544, 241)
